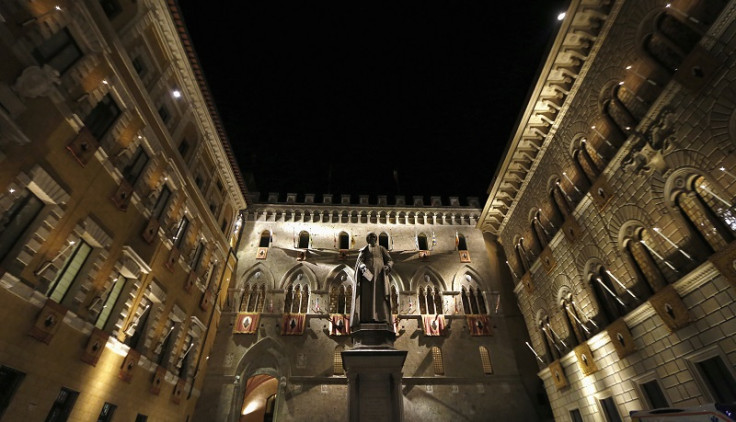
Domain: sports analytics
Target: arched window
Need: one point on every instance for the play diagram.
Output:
(669, 42)
(465, 300)
(265, 241)
(522, 255)
(422, 243)
(585, 160)
(340, 297)
(579, 332)
(304, 298)
(709, 211)
(383, 240)
(640, 248)
(610, 304)
(429, 298)
(304, 240)
(560, 201)
(437, 364)
(344, 241)
(297, 297)
(550, 346)
(485, 360)
(539, 232)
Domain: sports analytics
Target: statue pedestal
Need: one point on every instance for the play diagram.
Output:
(373, 369)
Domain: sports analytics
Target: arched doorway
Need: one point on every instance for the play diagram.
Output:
(259, 399)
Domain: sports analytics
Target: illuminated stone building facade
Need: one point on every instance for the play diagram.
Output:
(135, 283)
(278, 348)
(614, 208)
(118, 203)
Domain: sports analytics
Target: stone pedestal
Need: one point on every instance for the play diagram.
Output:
(373, 369)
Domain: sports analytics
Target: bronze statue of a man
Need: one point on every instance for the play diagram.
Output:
(372, 293)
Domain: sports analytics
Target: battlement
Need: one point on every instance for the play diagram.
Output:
(418, 201)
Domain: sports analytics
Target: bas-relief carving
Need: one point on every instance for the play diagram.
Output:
(648, 151)
(37, 81)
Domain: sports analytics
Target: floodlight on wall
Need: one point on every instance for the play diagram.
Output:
(176, 93)
(561, 16)
(723, 169)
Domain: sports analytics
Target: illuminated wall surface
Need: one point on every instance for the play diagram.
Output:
(136, 284)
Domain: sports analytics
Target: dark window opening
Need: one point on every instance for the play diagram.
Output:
(101, 118)
(183, 148)
(575, 415)
(108, 409)
(163, 112)
(161, 202)
(303, 240)
(609, 410)
(422, 243)
(718, 379)
(10, 380)
(111, 7)
(383, 240)
(62, 406)
(654, 395)
(344, 242)
(16, 220)
(462, 245)
(60, 51)
(139, 67)
(265, 239)
(133, 170)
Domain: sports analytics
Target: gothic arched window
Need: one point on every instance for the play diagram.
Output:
(707, 212)
(639, 248)
(610, 305)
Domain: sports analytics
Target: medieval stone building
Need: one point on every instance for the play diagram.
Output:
(286, 320)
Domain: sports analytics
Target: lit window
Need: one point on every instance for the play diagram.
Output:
(485, 359)
(181, 232)
(437, 364)
(110, 301)
(70, 271)
(337, 368)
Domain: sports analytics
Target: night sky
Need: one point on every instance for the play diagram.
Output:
(334, 98)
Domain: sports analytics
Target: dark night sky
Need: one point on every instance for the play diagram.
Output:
(358, 90)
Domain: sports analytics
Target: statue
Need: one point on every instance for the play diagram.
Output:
(372, 293)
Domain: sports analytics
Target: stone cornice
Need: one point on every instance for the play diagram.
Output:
(570, 56)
